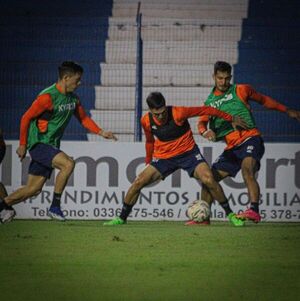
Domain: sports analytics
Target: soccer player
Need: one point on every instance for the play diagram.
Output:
(41, 130)
(9, 213)
(170, 146)
(244, 149)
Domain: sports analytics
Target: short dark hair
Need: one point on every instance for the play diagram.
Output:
(155, 100)
(222, 66)
(69, 68)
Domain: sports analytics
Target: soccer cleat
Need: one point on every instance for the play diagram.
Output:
(235, 220)
(194, 223)
(250, 215)
(56, 213)
(114, 222)
(7, 215)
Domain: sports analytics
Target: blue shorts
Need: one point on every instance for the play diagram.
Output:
(187, 161)
(41, 159)
(230, 160)
(2, 152)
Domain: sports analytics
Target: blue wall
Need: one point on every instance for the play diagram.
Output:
(36, 36)
(269, 60)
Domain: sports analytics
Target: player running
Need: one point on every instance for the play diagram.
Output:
(41, 130)
(170, 146)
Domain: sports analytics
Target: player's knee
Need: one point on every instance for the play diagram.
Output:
(139, 183)
(69, 165)
(208, 180)
(248, 173)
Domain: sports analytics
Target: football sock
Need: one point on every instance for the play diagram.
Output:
(126, 209)
(56, 199)
(225, 205)
(254, 207)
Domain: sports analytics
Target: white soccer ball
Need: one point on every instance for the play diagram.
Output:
(198, 211)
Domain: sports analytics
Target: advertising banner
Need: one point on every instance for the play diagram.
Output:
(104, 172)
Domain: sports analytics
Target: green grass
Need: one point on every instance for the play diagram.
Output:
(82, 260)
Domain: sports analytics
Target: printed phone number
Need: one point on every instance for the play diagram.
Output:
(139, 212)
(279, 214)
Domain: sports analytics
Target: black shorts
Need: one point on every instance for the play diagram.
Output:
(41, 159)
(230, 160)
(187, 161)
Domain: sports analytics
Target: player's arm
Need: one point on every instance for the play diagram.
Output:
(40, 105)
(149, 144)
(247, 92)
(203, 130)
(182, 113)
(90, 124)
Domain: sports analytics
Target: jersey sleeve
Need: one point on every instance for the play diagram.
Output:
(246, 92)
(180, 114)
(204, 112)
(85, 120)
(41, 104)
(149, 144)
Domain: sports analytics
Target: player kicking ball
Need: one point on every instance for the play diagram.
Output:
(170, 146)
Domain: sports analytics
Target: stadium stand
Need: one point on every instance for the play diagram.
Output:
(36, 36)
(181, 42)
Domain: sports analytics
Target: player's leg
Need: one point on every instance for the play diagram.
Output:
(248, 172)
(204, 174)
(149, 175)
(8, 213)
(207, 197)
(33, 187)
(195, 165)
(218, 175)
(250, 155)
(3, 192)
(65, 165)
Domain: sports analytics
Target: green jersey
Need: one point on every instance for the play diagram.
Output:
(56, 120)
(230, 103)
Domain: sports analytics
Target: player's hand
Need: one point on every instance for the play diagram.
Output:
(209, 135)
(239, 123)
(21, 151)
(108, 135)
(293, 114)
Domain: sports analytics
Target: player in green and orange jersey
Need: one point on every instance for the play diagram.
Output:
(170, 146)
(245, 148)
(41, 130)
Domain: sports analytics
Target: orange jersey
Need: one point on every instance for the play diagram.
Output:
(245, 93)
(167, 149)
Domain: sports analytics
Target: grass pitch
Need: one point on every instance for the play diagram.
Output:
(83, 260)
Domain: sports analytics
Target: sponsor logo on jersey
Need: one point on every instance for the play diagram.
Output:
(218, 103)
(67, 107)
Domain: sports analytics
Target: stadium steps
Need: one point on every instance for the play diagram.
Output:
(186, 79)
(175, 30)
(181, 42)
(156, 75)
(169, 52)
(181, 10)
(122, 98)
